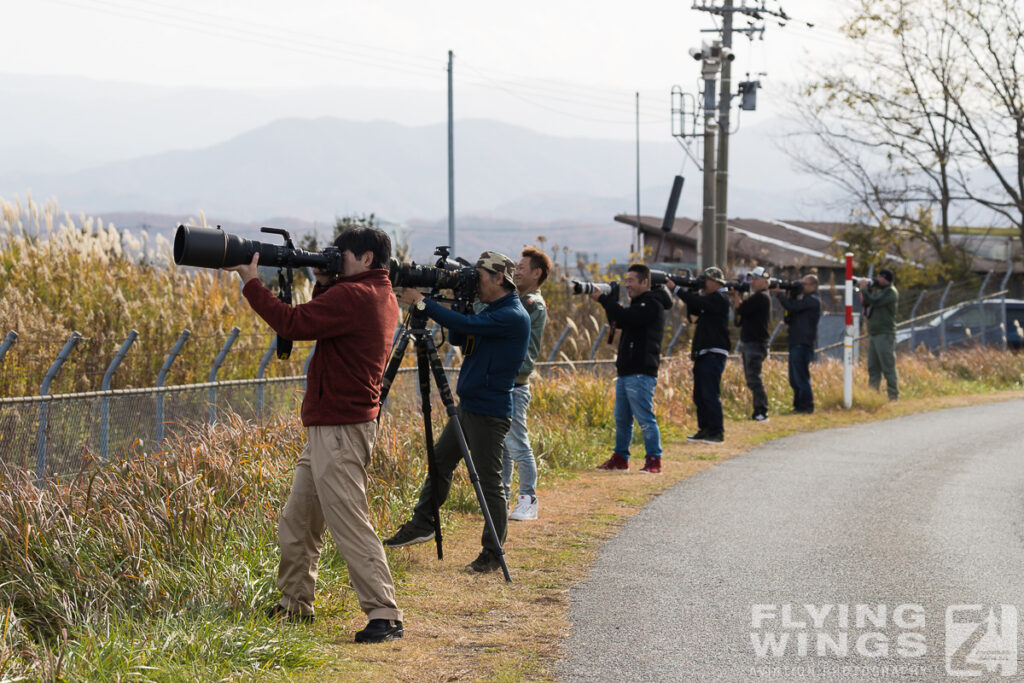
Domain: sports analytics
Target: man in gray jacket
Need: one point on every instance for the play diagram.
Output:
(531, 272)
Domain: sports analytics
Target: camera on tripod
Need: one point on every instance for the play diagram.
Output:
(460, 277)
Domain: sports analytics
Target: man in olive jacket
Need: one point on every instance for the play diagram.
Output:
(880, 300)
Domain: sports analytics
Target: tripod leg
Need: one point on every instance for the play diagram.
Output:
(449, 403)
(392, 369)
(423, 367)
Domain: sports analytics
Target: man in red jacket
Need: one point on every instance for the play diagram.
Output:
(352, 317)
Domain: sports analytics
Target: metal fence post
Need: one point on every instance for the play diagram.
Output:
(7, 343)
(942, 324)
(913, 314)
(45, 406)
(981, 304)
(232, 336)
(305, 366)
(1002, 288)
(675, 338)
(597, 341)
(558, 344)
(162, 377)
(259, 375)
(105, 401)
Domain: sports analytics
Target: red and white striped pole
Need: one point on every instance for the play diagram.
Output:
(848, 337)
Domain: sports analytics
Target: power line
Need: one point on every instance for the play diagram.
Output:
(319, 46)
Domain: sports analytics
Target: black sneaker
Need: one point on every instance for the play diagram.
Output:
(408, 535)
(484, 563)
(713, 437)
(760, 417)
(379, 631)
(277, 611)
(699, 436)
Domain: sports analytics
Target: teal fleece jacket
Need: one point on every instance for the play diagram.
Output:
(494, 343)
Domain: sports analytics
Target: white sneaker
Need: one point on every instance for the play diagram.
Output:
(526, 509)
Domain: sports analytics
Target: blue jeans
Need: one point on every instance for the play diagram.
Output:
(517, 447)
(707, 396)
(800, 357)
(634, 397)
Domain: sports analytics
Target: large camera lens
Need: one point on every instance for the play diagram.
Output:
(206, 248)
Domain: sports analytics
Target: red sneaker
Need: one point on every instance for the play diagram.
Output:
(616, 462)
(652, 465)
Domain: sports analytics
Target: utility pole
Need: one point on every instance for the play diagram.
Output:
(451, 162)
(756, 12)
(709, 71)
(638, 249)
(722, 178)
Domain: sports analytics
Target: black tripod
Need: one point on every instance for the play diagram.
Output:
(428, 361)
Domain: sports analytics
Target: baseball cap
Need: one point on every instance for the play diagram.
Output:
(714, 273)
(887, 274)
(493, 262)
(758, 272)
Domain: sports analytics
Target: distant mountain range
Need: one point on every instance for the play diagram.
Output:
(511, 183)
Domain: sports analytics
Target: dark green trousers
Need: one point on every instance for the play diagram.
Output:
(882, 363)
(485, 436)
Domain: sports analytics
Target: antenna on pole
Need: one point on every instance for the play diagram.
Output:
(451, 161)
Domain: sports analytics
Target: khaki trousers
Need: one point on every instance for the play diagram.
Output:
(329, 489)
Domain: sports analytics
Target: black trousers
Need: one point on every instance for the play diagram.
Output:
(485, 436)
(707, 397)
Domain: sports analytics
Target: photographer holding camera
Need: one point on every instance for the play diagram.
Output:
(352, 318)
(495, 343)
(531, 272)
(801, 315)
(752, 316)
(709, 350)
(880, 300)
(642, 325)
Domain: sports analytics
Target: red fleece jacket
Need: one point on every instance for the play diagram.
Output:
(353, 322)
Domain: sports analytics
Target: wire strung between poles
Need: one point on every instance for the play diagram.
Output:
(429, 362)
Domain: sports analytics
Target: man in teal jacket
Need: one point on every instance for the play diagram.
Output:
(494, 343)
(880, 300)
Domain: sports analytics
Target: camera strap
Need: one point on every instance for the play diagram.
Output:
(284, 346)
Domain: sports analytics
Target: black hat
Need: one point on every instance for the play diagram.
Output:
(887, 274)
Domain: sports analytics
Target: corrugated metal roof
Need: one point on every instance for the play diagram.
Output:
(778, 243)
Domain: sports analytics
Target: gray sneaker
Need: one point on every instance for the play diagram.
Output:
(408, 535)
(526, 509)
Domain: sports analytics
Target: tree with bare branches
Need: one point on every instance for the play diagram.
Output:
(922, 125)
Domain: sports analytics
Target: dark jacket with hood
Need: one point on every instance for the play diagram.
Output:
(494, 343)
(642, 326)
(712, 313)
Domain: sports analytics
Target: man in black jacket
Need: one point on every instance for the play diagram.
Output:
(709, 350)
(752, 316)
(801, 316)
(642, 326)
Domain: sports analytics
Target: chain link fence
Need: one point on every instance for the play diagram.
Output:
(54, 434)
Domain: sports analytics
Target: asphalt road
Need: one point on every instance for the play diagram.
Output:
(857, 541)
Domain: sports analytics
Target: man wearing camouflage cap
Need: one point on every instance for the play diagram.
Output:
(494, 342)
(709, 350)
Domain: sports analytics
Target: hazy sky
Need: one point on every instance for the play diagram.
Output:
(569, 60)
